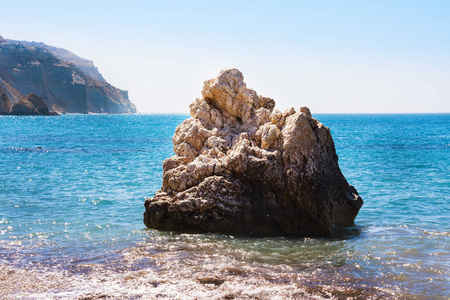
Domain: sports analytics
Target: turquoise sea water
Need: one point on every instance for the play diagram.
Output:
(72, 190)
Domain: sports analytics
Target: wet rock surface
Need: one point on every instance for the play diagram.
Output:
(241, 167)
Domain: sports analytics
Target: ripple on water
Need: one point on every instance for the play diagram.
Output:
(72, 190)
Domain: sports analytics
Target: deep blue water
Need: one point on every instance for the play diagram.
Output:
(72, 190)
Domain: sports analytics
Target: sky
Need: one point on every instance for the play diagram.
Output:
(332, 56)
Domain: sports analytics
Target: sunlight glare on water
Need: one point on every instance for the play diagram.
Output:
(72, 190)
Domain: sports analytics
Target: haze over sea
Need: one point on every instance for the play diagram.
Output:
(72, 190)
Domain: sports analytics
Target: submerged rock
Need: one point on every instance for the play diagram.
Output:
(241, 167)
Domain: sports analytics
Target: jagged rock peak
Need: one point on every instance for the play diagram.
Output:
(2, 40)
(242, 167)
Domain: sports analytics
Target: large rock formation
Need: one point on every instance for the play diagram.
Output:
(31, 105)
(65, 88)
(5, 103)
(241, 167)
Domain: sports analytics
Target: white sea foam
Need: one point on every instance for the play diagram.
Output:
(173, 283)
(180, 269)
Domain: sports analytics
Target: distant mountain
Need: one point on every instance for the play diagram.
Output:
(85, 65)
(66, 82)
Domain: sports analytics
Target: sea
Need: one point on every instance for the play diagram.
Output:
(72, 190)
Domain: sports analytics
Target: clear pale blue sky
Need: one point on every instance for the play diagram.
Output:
(332, 56)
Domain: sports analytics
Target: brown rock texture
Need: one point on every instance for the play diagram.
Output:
(5, 103)
(241, 167)
(31, 105)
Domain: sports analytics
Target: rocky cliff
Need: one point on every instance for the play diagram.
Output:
(85, 65)
(241, 167)
(5, 103)
(31, 105)
(64, 87)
